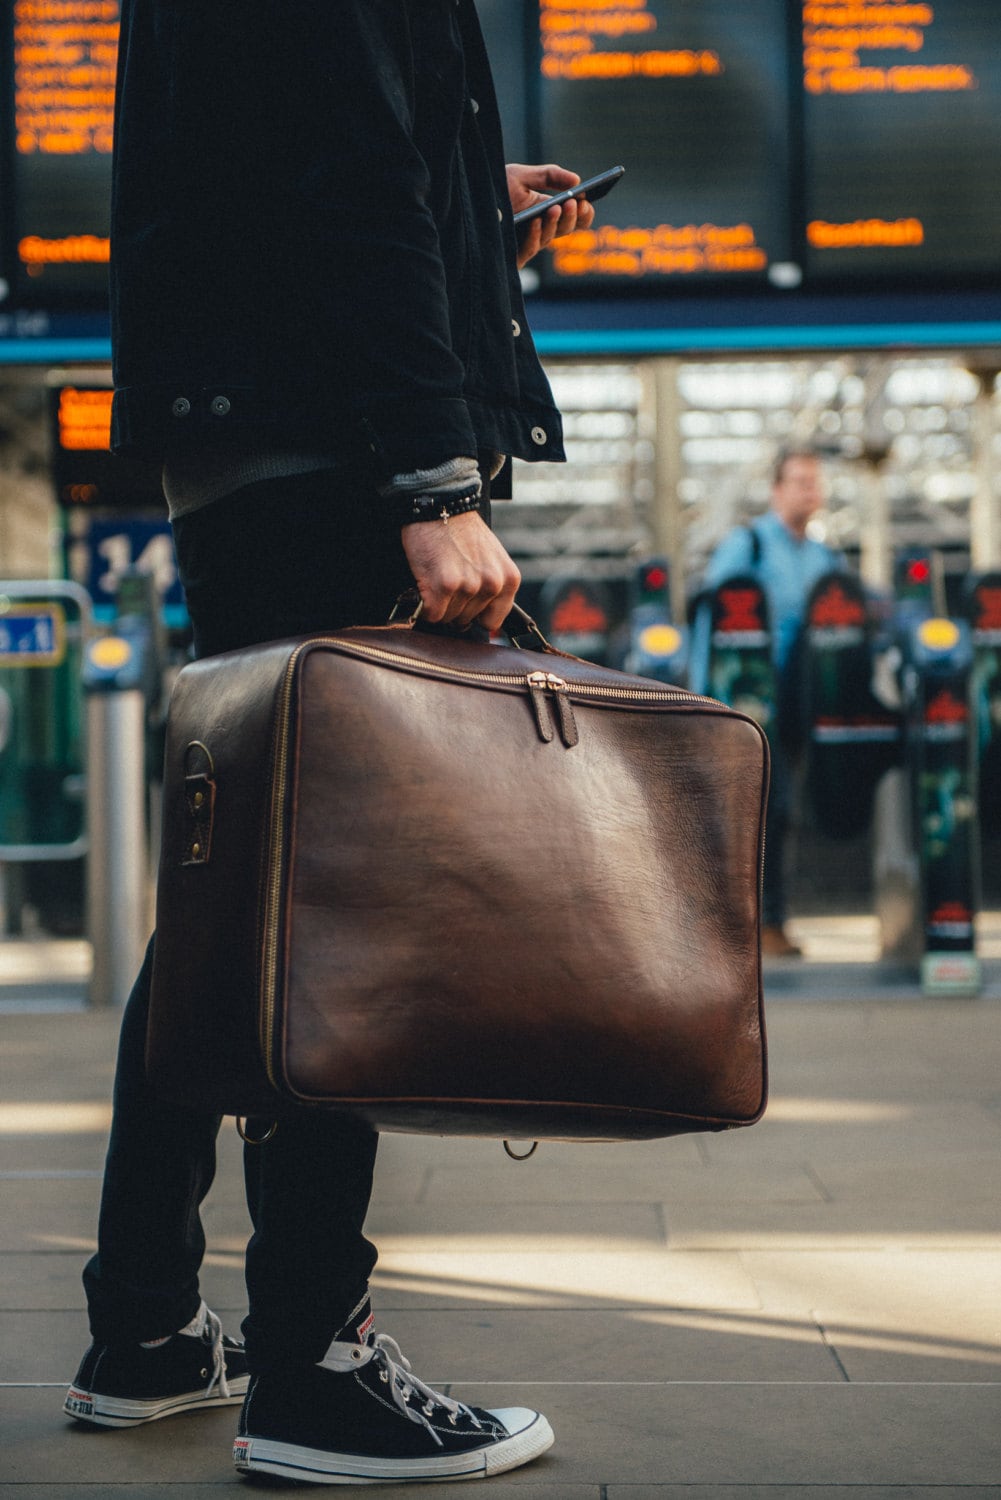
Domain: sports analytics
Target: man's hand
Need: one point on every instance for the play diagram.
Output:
(529, 185)
(462, 571)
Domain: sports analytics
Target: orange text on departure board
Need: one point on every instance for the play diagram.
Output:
(65, 53)
(666, 250)
(36, 252)
(839, 41)
(862, 233)
(578, 38)
(84, 419)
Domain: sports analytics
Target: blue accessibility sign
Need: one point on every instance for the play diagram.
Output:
(32, 635)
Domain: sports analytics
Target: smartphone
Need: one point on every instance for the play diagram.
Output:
(592, 189)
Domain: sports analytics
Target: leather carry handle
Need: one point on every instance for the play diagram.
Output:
(409, 606)
(530, 626)
(521, 1155)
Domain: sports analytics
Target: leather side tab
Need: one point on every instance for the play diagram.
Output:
(199, 799)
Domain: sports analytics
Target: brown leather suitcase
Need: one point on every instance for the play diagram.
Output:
(458, 888)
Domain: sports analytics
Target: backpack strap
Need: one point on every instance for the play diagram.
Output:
(755, 536)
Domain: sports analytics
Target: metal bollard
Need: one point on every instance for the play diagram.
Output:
(117, 867)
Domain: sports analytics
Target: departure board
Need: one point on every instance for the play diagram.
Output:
(64, 55)
(85, 473)
(692, 99)
(902, 138)
(771, 147)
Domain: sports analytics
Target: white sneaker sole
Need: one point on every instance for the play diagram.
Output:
(529, 1435)
(120, 1411)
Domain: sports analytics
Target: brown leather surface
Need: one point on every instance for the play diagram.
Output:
(483, 931)
(202, 1037)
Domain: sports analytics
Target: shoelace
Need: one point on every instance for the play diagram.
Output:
(218, 1357)
(395, 1370)
(206, 1325)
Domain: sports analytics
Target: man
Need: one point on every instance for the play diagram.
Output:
(787, 562)
(318, 328)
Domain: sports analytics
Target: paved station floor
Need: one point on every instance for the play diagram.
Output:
(810, 1308)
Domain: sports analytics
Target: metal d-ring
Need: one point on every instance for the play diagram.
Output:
(198, 745)
(523, 1156)
(407, 609)
(252, 1140)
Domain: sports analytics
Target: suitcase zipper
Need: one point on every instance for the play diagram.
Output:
(276, 857)
(537, 684)
(519, 679)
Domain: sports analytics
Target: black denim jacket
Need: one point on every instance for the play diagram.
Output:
(311, 234)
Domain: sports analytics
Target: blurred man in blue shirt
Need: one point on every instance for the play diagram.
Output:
(776, 550)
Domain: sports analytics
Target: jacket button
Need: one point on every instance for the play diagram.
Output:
(516, 328)
(181, 407)
(500, 215)
(474, 106)
(539, 436)
(220, 406)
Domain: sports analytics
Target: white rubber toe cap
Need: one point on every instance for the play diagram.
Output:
(529, 1435)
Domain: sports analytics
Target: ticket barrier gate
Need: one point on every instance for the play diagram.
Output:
(621, 620)
(740, 671)
(851, 739)
(909, 769)
(44, 626)
(654, 645)
(824, 701)
(926, 826)
(72, 767)
(983, 611)
(575, 614)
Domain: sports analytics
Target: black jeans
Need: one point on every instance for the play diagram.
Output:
(285, 557)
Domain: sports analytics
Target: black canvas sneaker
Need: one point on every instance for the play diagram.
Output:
(120, 1385)
(361, 1416)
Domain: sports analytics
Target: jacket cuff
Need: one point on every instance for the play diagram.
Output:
(459, 474)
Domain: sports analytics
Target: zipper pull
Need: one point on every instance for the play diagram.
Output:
(537, 684)
(569, 733)
(541, 683)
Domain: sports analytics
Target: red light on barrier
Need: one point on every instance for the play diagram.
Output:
(835, 607)
(739, 611)
(578, 614)
(946, 708)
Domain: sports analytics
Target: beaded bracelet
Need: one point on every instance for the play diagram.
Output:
(433, 507)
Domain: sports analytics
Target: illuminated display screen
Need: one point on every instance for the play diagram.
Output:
(799, 145)
(83, 420)
(86, 474)
(692, 100)
(803, 141)
(64, 54)
(902, 137)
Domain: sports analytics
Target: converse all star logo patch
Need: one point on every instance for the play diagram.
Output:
(364, 1329)
(80, 1403)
